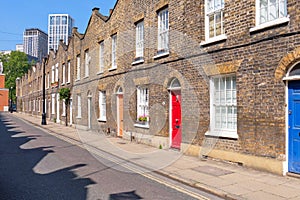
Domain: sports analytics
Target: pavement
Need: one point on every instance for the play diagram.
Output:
(227, 180)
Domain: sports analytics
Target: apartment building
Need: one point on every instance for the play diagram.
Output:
(35, 43)
(59, 28)
(213, 78)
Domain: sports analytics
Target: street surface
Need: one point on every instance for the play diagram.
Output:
(37, 165)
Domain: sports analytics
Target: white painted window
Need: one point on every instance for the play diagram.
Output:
(53, 104)
(69, 72)
(163, 31)
(269, 10)
(102, 105)
(29, 105)
(142, 103)
(63, 74)
(223, 106)
(214, 18)
(87, 63)
(56, 72)
(78, 67)
(101, 57)
(114, 52)
(139, 38)
(78, 106)
(52, 74)
(63, 107)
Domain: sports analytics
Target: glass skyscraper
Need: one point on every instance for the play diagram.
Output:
(59, 27)
(35, 43)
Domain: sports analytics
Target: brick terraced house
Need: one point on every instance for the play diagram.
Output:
(213, 78)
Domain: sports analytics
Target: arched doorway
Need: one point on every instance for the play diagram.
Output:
(293, 118)
(120, 123)
(175, 113)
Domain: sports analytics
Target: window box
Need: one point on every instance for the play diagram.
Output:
(54, 84)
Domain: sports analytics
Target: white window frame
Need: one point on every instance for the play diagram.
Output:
(139, 40)
(101, 57)
(142, 105)
(280, 19)
(114, 51)
(102, 105)
(87, 63)
(53, 99)
(78, 106)
(56, 72)
(78, 67)
(52, 74)
(39, 105)
(48, 80)
(63, 108)
(213, 8)
(33, 105)
(229, 105)
(69, 72)
(163, 32)
(63, 74)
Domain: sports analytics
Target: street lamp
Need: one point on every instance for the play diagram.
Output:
(10, 106)
(44, 93)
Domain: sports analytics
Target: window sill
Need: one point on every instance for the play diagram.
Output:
(101, 120)
(270, 24)
(78, 117)
(160, 55)
(63, 115)
(85, 77)
(222, 133)
(76, 80)
(112, 68)
(146, 126)
(68, 83)
(99, 73)
(62, 84)
(214, 40)
(138, 62)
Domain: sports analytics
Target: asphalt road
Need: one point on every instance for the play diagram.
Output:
(37, 165)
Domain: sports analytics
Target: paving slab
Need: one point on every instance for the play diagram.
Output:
(260, 195)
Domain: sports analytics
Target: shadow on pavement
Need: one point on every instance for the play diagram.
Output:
(125, 196)
(19, 181)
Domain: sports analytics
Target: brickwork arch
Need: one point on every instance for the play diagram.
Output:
(286, 62)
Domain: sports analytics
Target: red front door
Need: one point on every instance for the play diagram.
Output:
(176, 119)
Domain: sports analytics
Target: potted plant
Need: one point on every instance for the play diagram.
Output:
(143, 119)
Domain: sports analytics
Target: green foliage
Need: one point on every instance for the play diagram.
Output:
(64, 93)
(15, 65)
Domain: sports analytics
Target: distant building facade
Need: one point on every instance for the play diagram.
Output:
(20, 47)
(35, 43)
(59, 28)
(3, 91)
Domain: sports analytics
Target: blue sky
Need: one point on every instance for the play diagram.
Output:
(17, 15)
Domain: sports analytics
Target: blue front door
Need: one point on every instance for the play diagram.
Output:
(294, 126)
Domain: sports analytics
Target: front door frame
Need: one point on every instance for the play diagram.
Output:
(118, 114)
(89, 112)
(287, 149)
(170, 114)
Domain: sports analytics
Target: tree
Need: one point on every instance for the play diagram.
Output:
(15, 65)
(65, 94)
